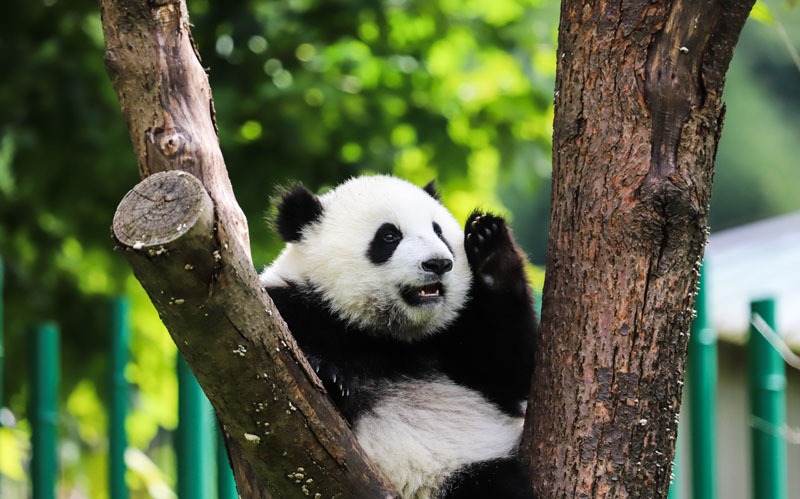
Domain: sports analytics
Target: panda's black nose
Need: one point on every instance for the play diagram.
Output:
(437, 265)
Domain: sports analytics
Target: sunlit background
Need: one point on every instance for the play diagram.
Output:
(311, 90)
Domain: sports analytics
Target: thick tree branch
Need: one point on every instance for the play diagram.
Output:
(186, 240)
(638, 118)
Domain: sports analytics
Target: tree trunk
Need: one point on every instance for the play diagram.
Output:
(186, 240)
(637, 123)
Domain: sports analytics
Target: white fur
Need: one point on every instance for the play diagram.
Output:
(420, 432)
(332, 256)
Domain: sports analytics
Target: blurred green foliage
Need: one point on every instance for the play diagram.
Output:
(320, 91)
(314, 90)
(757, 170)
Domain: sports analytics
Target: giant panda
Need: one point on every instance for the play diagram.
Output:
(422, 333)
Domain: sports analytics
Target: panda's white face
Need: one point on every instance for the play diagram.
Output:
(384, 254)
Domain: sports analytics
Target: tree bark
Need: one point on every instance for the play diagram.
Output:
(186, 239)
(637, 123)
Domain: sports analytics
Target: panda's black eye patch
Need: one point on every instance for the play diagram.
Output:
(383, 243)
(437, 229)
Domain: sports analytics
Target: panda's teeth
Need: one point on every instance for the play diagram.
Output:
(429, 293)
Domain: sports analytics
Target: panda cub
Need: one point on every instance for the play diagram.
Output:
(423, 334)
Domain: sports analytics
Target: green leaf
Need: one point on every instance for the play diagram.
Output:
(13, 449)
(762, 14)
(7, 144)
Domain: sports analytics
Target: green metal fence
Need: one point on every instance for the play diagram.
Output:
(118, 399)
(204, 472)
(203, 469)
(701, 372)
(767, 384)
(43, 410)
(767, 403)
(194, 440)
(701, 377)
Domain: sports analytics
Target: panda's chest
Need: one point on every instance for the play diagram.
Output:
(420, 431)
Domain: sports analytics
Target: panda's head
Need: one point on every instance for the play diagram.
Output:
(382, 253)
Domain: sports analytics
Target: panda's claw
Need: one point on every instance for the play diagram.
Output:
(334, 380)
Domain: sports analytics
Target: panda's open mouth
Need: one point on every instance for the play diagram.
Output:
(423, 294)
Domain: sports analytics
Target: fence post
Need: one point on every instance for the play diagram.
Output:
(675, 486)
(195, 443)
(43, 410)
(117, 439)
(767, 409)
(702, 387)
(226, 485)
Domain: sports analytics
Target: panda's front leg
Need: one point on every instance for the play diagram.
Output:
(496, 333)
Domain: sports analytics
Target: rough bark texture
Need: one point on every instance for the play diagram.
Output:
(166, 99)
(638, 118)
(186, 240)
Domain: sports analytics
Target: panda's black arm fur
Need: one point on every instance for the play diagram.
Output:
(348, 361)
(491, 346)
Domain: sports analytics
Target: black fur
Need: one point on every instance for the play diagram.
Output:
(501, 478)
(491, 345)
(431, 189)
(490, 348)
(346, 357)
(297, 207)
(438, 231)
(383, 244)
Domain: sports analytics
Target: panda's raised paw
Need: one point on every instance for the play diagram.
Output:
(494, 258)
(484, 234)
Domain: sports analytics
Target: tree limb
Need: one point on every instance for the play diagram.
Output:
(637, 123)
(186, 239)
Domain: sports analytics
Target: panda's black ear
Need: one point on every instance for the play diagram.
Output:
(431, 189)
(297, 207)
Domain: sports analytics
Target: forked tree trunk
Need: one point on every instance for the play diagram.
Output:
(638, 118)
(637, 123)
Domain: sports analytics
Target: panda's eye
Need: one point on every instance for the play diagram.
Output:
(437, 230)
(391, 235)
